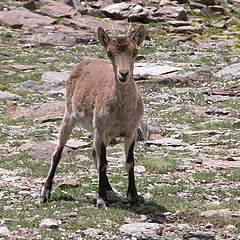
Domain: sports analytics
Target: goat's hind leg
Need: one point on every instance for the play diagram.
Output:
(64, 133)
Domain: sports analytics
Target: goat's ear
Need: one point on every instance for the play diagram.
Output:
(139, 35)
(103, 37)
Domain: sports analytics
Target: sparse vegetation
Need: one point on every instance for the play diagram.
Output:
(177, 181)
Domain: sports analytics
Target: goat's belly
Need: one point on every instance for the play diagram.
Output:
(85, 121)
(121, 130)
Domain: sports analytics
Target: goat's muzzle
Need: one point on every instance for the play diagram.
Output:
(123, 75)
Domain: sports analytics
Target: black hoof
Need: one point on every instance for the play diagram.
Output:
(45, 195)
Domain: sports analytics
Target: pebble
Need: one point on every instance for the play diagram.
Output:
(4, 231)
(49, 224)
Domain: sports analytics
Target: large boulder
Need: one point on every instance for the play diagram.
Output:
(23, 18)
(59, 9)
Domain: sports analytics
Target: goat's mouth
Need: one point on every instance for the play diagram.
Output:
(122, 79)
(123, 76)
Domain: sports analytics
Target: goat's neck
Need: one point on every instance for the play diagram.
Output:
(125, 90)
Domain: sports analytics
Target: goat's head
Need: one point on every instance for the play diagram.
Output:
(122, 51)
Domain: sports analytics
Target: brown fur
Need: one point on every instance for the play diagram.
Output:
(113, 106)
(105, 100)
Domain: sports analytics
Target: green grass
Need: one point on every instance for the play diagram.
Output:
(171, 188)
(204, 177)
(233, 175)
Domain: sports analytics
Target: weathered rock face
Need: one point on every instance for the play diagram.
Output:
(58, 9)
(177, 12)
(23, 18)
(233, 70)
(48, 109)
(135, 12)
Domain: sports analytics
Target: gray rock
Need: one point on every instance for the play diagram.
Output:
(55, 77)
(48, 59)
(233, 70)
(153, 69)
(26, 85)
(177, 12)
(118, 11)
(188, 29)
(231, 91)
(147, 128)
(47, 37)
(197, 78)
(4, 231)
(44, 150)
(8, 96)
(138, 13)
(200, 235)
(22, 17)
(141, 230)
(166, 142)
(49, 224)
(51, 109)
(59, 9)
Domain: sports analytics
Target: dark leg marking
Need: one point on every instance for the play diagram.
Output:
(46, 190)
(132, 191)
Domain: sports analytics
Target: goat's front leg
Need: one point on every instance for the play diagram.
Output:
(99, 154)
(129, 147)
(64, 133)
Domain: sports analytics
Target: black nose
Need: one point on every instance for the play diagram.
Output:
(123, 73)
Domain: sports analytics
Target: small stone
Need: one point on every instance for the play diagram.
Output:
(183, 227)
(4, 231)
(166, 142)
(219, 212)
(139, 169)
(48, 59)
(8, 96)
(199, 235)
(54, 77)
(69, 183)
(230, 227)
(141, 230)
(208, 225)
(22, 67)
(49, 223)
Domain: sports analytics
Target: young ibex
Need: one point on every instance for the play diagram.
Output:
(105, 100)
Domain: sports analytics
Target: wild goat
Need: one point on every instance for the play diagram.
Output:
(105, 100)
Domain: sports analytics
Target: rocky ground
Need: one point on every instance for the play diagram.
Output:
(187, 156)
